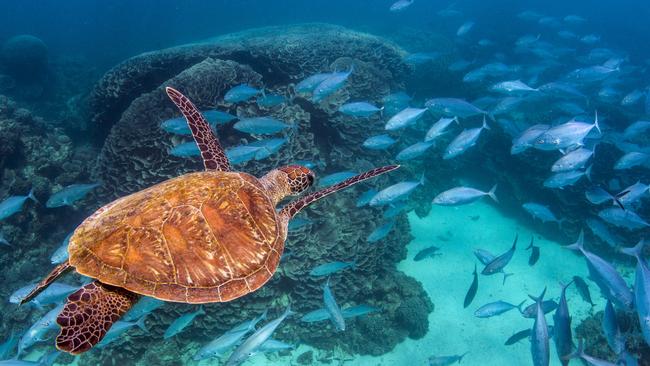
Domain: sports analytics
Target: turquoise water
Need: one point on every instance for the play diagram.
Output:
(507, 120)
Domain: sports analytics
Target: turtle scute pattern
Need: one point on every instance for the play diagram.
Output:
(89, 313)
(202, 237)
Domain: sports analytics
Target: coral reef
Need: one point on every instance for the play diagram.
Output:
(24, 57)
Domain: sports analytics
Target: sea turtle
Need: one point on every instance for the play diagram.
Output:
(209, 236)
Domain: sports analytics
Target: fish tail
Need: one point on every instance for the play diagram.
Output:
(491, 193)
(201, 310)
(505, 277)
(31, 196)
(460, 358)
(596, 122)
(588, 172)
(539, 299)
(532, 239)
(520, 305)
(485, 125)
(578, 353)
(423, 179)
(455, 119)
(635, 251)
(288, 310)
(140, 323)
(564, 286)
(579, 244)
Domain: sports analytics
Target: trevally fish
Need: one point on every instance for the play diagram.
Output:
(53, 294)
(624, 218)
(632, 194)
(270, 100)
(260, 125)
(591, 74)
(381, 232)
(273, 345)
(395, 209)
(334, 178)
(631, 160)
(420, 58)
(145, 306)
(406, 117)
(14, 204)
(118, 328)
(379, 142)
(496, 308)
(597, 195)
(563, 179)
(566, 135)
(267, 147)
(632, 98)
(512, 87)
(60, 255)
(471, 292)
(366, 197)
(451, 107)
(242, 153)
(330, 85)
(414, 151)
(249, 325)
(315, 316)
(636, 129)
(562, 328)
(428, 252)
(332, 307)
(465, 28)
(463, 195)
(527, 138)
(580, 353)
(395, 192)
(252, 343)
(445, 360)
(220, 345)
(185, 150)
(602, 232)
(40, 330)
(498, 264)
(327, 269)
(539, 347)
(178, 126)
(540, 212)
(241, 93)
(182, 322)
(400, 5)
(574, 160)
(464, 141)
(358, 310)
(612, 331)
(641, 288)
(534, 252)
(70, 194)
(359, 109)
(439, 128)
(583, 289)
(309, 84)
(610, 282)
(459, 65)
(530, 311)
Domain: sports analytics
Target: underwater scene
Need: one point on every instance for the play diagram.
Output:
(371, 183)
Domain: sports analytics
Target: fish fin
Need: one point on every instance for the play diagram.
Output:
(293, 208)
(564, 286)
(201, 310)
(540, 298)
(455, 119)
(31, 196)
(485, 125)
(579, 244)
(491, 193)
(423, 179)
(514, 243)
(635, 251)
(89, 313)
(520, 305)
(460, 358)
(596, 122)
(618, 202)
(140, 323)
(532, 238)
(505, 277)
(474, 273)
(588, 172)
(56, 273)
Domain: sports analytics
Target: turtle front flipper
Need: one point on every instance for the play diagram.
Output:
(291, 209)
(89, 313)
(214, 157)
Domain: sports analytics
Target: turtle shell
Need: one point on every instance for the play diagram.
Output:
(198, 238)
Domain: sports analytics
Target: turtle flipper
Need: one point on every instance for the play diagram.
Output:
(291, 209)
(89, 313)
(56, 272)
(214, 157)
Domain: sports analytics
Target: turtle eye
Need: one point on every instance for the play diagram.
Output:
(299, 178)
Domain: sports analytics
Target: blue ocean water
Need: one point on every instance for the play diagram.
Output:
(510, 234)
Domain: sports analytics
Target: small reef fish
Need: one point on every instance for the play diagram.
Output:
(145, 306)
(534, 253)
(53, 294)
(14, 204)
(260, 125)
(379, 142)
(118, 329)
(499, 263)
(496, 308)
(330, 85)
(252, 343)
(242, 153)
(182, 322)
(333, 308)
(178, 126)
(574, 160)
(401, 5)
(414, 151)
(562, 328)
(270, 100)
(527, 138)
(185, 150)
(308, 85)
(425, 253)
(540, 212)
(39, 331)
(334, 178)
(406, 117)
(380, 232)
(240, 93)
(530, 311)
(539, 338)
(359, 109)
(624, 218)
(471, 292)
(395, 192)
(464, 141)
(451, 107)
(611, 329)
(512, 87)
(566, 135)
(439, 128)
(331, 267)
(315, 316)
(445, 360)
(583, 289)
(365, 197)
(610, 282)
(463, 195)
(61, 254)
(70, 194)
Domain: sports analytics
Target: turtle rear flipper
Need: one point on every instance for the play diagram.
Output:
(89, 313)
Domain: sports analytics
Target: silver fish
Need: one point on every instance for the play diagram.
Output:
(539, 345)
(118, 328)
(632, 159)
(641, 288)
(182, 322)
(327, 269)
(527, 138)
(381, 232)
(40, 330)
(379, 142)
(464, 141)
(309, 84)
(540, 211)
(451, 107)
(241, 93)
(463, 195)
(14, 204)
(624, 218)
(143, 307)
(359, 109)
(439, 128)
(260, 125)
(512, 87)
(496, 308)
(395, 192)
(563, 179)
(407, 117)
(330, 85)
(574, 160)
(332, 307)
(414, 151)
(566, 135)
(61, 254)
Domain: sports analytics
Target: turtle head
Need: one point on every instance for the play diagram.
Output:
(298, 178)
